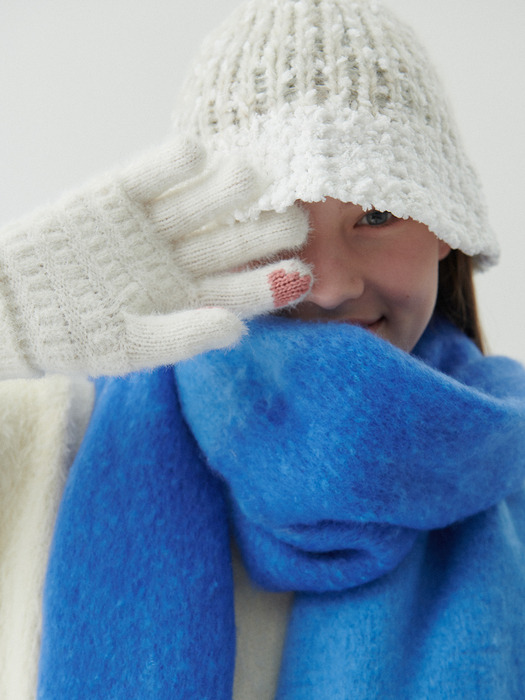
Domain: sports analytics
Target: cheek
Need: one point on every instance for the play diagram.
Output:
(411, 279)
(410, 283)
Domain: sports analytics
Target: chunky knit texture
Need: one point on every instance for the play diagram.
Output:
(137, 269)
(337, 98)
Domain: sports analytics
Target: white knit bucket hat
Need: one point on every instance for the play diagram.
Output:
(336, 98)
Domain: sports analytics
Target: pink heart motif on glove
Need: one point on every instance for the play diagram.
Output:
(287, 286)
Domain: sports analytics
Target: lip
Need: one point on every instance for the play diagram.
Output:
(368, 325)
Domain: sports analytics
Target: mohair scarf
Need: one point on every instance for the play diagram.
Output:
(385, 489)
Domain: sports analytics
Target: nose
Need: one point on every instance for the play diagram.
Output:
(338, 276)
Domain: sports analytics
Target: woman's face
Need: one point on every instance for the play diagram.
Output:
(370, 269)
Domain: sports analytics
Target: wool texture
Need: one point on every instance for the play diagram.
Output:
(388, 446)
(40, 424)
(387, 493)
(336, 98)
(140, 268)
(136, 605)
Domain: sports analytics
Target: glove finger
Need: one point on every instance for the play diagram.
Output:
(260, 290)
(232, 246)
(153, 341)
(162, 168)
(209, 198)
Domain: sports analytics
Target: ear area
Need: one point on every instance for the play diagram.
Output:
(443, 249)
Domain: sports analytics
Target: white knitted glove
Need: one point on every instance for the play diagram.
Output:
(138, 269)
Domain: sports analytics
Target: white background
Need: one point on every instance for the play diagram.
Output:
(86, 85)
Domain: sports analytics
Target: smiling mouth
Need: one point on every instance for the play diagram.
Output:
(372, 326)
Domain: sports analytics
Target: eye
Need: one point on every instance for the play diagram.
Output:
(375, 218)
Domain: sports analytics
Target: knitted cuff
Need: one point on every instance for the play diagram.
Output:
(13, 363)
(65, 271)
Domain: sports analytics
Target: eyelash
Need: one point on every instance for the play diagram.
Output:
(364, 220)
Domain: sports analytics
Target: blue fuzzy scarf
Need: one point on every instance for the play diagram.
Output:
(385, 489)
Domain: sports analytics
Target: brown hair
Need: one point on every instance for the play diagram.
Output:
(456, 298)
